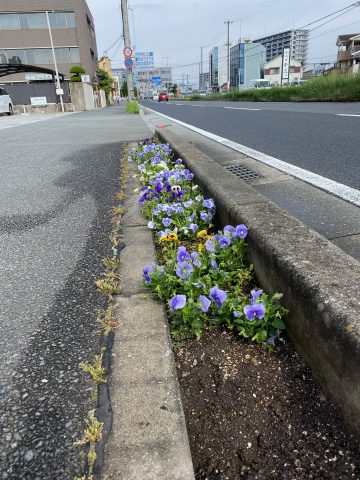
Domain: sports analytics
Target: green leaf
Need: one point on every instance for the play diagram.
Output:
(278, 323)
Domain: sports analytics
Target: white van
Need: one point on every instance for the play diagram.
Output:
(259, 83)
(6, 104)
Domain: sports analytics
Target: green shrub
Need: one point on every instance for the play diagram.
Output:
(77, 71)
(132, 107)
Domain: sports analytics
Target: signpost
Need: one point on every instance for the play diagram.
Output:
(156, 81)
(285, 69)
(144, 61)
(127, 51)
(38, 101)
(129, 62)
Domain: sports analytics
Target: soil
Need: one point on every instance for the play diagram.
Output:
(259, 415)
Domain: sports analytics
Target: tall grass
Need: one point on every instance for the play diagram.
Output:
(132, 107)
(332, 88)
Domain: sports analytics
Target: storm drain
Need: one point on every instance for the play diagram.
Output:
(243, 172)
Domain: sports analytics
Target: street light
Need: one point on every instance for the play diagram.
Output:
(59, 90)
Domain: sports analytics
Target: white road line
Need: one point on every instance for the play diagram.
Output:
(346, 115)
(340, 190)
(243, 108)
(201, 106)
(179, 104)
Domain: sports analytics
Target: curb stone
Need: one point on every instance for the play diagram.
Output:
(319, 281)
(149, 439)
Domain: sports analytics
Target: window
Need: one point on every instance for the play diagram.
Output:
(3, 57)
(37, 20)
(24, 21)
(60, 19)
(43, 55)
(70, 20)
(75, 55)
(9, 21)
(62, 55)
(16, 56)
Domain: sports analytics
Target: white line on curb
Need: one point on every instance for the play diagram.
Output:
(340, 190)
(243, 108)
(346, 115)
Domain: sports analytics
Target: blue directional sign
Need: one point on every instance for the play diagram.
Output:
(156, 81)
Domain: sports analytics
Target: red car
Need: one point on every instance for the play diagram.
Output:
(163, 97)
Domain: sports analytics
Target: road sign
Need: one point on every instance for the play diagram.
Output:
(285, 70)
(129, 62)
(127, 51)
(156, 81)
(144, 60)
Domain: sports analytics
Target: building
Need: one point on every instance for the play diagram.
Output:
(204, 81)
(218, 67)
(155, 79)
(272, 71)
(348, 57)
(246, 64)
(25, 39)
(297, 40)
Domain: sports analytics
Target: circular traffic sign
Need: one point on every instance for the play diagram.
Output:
(127, 51)
(129, 62)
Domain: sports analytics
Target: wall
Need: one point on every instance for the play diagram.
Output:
(82, 96)
(275, 78)
(20, 93)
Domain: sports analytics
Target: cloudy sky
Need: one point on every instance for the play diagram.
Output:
(175, 29)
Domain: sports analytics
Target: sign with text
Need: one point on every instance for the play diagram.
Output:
(156, 81)
(144, 60)
(285, 65)
(37, 76)
(38, 101)
(85, 78)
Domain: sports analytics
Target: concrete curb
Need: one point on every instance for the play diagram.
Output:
(319, 281)
(149, 438)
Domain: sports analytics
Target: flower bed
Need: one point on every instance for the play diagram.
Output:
(203, 275)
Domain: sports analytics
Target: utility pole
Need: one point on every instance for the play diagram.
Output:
(58, 85)
(129, 71)
(201, 59)
(228, 53)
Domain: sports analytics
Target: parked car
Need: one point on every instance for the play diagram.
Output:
(298, 83)
(156, 97)
(163, 97)
(6, 104)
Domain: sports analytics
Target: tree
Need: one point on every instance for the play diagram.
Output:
(173, 88)
(124, 90)
(105, 81)
(77, 71)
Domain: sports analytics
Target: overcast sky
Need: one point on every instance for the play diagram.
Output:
(177, 28)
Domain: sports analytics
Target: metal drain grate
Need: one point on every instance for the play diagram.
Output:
(243, 172)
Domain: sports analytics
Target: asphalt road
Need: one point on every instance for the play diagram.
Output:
(57, 185)
(313, 136)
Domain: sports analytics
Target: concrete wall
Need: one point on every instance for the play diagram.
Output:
(82, 96)
(20, 93)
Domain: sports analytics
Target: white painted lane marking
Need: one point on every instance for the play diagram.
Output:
(243, 108)
(201, 106)
(340, 190)
(179, 104)
(346, 115)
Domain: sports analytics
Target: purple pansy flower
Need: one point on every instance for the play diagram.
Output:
(205, 303)
(184, 269)
(167, 222)
(218, 296)
(209, 203)
(178, 161)
(182, 254)
(151, 224)
(224, 242)
(205, 217)
(214, 265)
(241, 231)
(235, 313)
(146, 270)
(193, 227)
(209, 246)
(229, 231)
(255, 294)
(196, 259)
(177, 302)
(252, 312)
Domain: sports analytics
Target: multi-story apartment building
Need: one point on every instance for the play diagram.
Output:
(25, 39)
(348, 57)
(246, 64)
(218, 67)
(297, 40)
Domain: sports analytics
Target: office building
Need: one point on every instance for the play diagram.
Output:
(25, 39)
(218, 67)
(296, 40)
(246, 63)
(204, 81)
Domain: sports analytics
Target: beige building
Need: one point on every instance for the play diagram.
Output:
(25, 39)
(272, 71)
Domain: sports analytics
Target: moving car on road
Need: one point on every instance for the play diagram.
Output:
(163, 97)
(6, 104)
